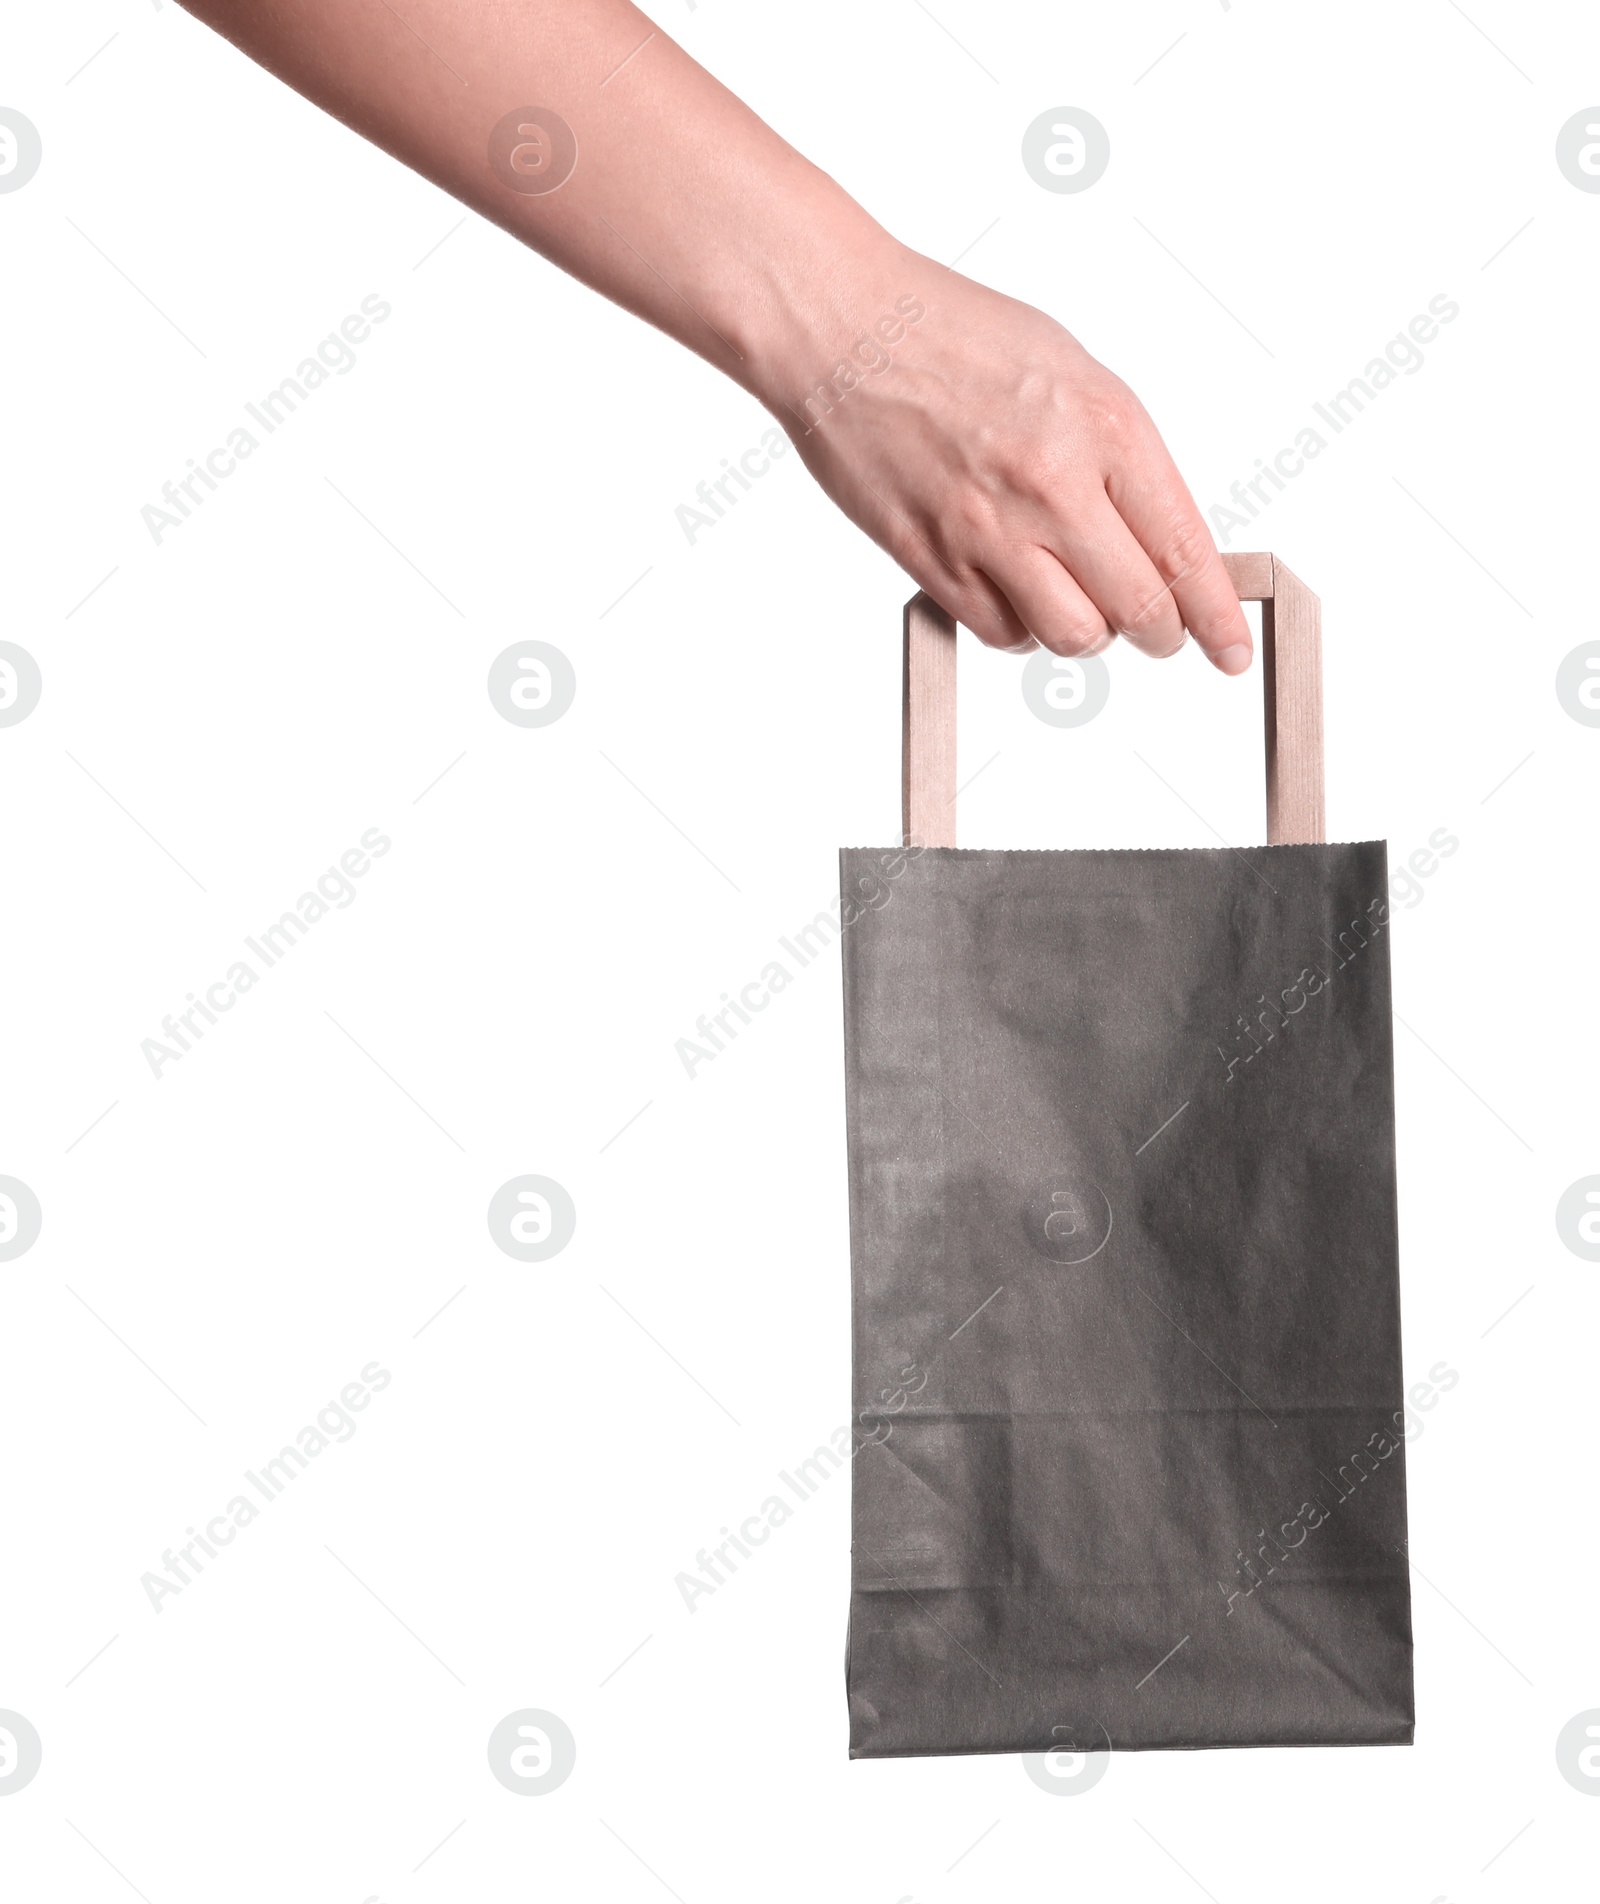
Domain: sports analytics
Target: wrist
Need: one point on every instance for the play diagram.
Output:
(825, 309)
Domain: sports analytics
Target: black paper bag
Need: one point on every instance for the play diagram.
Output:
(1130, 1469)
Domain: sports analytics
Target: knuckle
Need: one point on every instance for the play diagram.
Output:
(1116, 414)
(967, 521)
(1072, 639)
(1165, 650)
(990, 620)
(1150, 618)
(1189, 548)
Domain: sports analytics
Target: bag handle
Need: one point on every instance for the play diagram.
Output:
(1291, 661)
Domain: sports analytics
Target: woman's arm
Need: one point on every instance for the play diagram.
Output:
(1015, 478)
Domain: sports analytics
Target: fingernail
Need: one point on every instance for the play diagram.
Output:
(1233, 660)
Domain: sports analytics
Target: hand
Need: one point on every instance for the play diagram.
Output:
(1019, 481)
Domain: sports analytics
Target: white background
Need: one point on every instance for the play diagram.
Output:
(225, 713)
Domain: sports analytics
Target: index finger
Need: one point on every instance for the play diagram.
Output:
(1154, 501)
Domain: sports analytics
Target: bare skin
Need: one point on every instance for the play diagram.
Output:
(1019, 481)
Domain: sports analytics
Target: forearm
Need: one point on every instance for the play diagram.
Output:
(1019, 481)
(682, 205)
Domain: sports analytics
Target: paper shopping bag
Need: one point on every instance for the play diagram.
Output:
(1130, 1469)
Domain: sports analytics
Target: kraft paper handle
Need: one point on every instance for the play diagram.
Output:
(1291, 662)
